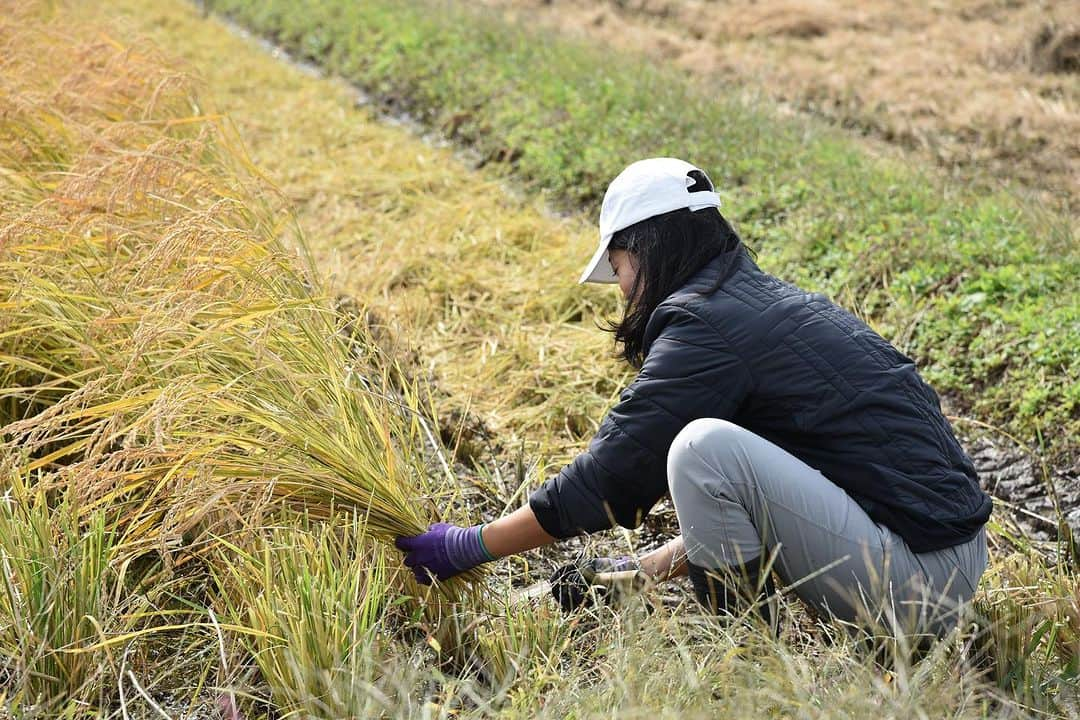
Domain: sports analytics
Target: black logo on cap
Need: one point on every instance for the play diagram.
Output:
(701, 182)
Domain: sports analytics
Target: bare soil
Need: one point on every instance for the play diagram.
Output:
(987, 89)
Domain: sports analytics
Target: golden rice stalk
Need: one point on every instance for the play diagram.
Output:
(163, 355)
(169, 362)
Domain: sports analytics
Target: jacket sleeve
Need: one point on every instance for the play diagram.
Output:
(690, 372)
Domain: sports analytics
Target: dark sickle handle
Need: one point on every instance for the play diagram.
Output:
(571, 588)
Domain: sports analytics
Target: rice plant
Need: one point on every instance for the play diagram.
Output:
(164, 339)
(62, 590)
(171, 370)
(313, 600)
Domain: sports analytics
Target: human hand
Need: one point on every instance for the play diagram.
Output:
(443, 551)
(575, 585)
(591, 566)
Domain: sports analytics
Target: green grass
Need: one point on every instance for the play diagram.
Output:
(981, 290)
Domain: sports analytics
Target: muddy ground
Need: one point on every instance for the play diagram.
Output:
(987, 89)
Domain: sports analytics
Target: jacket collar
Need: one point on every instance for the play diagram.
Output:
(715, 272)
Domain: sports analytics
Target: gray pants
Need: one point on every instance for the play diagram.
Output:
(737, 495)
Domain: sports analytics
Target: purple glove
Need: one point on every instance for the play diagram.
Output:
(443, 551)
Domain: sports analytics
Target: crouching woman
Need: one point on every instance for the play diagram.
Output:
(787, 432)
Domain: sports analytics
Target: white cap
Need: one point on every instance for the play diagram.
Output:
(644, 189)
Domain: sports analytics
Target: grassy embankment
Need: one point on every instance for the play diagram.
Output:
(980, 290)
(988, 96)
(309, 587)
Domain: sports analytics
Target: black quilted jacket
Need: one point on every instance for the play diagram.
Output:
(798, 371)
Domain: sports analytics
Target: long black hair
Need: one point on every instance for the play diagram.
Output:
(668, 250)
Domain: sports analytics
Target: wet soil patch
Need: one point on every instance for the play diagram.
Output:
(1037, 497)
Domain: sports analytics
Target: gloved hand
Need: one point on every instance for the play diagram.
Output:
(443, 551)
(574, 585)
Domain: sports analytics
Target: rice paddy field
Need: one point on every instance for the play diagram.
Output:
(261, 316)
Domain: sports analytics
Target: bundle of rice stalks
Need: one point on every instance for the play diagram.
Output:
(172, 409)
(164, 351)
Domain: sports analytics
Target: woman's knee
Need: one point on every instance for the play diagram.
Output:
(703, 442)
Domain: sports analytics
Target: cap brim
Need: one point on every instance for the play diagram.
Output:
(599, 269)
